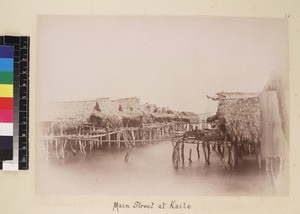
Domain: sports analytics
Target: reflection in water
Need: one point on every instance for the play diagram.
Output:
(149, 171)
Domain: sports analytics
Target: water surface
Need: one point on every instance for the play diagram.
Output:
(149, 171)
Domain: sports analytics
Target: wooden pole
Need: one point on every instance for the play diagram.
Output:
(109, 142)
(182, 150)
(190, 156)
(150, 135)
(118, 139)
(133, 137)
(198, 152)
(175, 154)
(259, 155)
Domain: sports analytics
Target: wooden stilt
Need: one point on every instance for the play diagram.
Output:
(220, 157)
(175, 154)
(63, 148)
(190, 156)
(229, 153)
(56, 149)
(208, 153)
(118, 139)
(182, 150)
(133, 137)
(198, 152)
(204, 151)
(72, 148)
(150, 136)
(234, 155)
(259, 156)
(109, 142)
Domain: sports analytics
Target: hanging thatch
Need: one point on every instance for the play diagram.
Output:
(239, 116)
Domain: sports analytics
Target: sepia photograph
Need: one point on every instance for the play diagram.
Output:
(162, 106)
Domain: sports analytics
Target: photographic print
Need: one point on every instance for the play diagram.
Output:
(162, 105)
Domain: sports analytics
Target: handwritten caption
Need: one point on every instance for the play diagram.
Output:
(172, 205)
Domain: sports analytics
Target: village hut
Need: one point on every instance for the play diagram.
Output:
(163, 117)
(238, 116)
(65, 117)
(188, 117)
(118, 113)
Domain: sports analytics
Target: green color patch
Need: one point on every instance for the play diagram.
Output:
(6, 78)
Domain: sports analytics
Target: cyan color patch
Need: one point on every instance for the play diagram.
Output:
(6, 64)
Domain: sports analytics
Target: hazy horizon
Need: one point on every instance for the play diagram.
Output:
(169, 61)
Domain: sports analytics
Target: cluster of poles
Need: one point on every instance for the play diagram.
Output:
(217, 144)
(89, 137)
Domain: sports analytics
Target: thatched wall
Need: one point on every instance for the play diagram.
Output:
(242, 118)
(239, 117)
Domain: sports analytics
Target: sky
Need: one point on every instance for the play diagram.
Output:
(169, 61)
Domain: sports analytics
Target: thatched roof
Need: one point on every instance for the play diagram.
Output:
(121, 112)
(236, 95)
(127, 112)
(67, 114)
(240, 117)
(189, 117)
(163, 117)
(231, 95)
(100, 119)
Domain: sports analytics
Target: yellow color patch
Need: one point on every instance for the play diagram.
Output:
(6, 90)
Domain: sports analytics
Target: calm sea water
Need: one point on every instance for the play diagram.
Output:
(149, 171)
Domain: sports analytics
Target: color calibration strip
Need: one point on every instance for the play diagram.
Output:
(16, 87)
(6, 102)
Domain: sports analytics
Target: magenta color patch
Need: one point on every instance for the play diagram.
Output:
(6, 116)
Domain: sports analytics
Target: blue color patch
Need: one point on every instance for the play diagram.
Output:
(6, 65)
(6, 51)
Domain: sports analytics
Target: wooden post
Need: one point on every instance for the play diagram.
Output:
(143, 136)
(109, 142)
(220, 157)
(61, 143)
(133, 137)
(234, 154)
(73, 150)
(190, 156)
(259, 155)
(204, 151)
(198, 150)
(229, 153)
(175, 154)
(182, 150)
(150, 135)
(118, 140)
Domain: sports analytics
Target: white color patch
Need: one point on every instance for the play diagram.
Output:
(6, 129)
